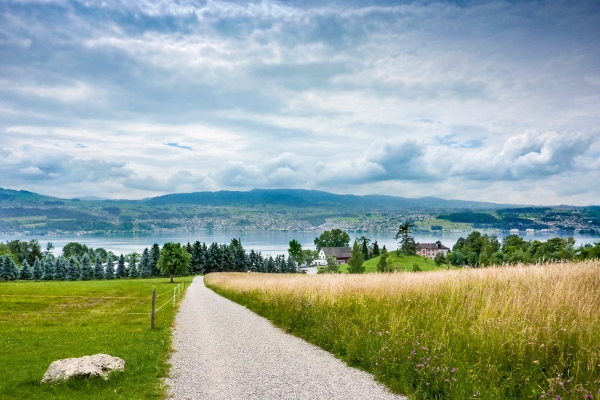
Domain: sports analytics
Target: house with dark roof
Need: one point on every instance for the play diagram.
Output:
(341, 254)
(430, 250)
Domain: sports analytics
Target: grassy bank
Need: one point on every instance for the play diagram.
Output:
(44, 321)
(497, 333)
(403, 262)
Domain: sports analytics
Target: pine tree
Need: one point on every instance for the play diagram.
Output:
(121, 272)
(270, 265)
(109, 273)
(72, 270)
(86, 268)
(145, 264)
(26, 273)
(260, 263)
(60, 269)
(38, 270)
(292, 267)
(48, 268)
(12, 269)
(281, 264)
(383, 265)
(375, 249)
(355, 264)
(2, 273)
(154, 256)
(133, 271)
(98, 268)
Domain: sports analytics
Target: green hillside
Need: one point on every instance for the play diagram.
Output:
(403, 262)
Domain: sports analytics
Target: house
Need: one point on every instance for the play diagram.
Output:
(341, 254)
(430, 250)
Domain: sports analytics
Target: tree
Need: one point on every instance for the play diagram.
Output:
(146, 264)
(333, 238)
(38, 269)
(25, 273)
(375, 249)
(48, 269)
(72, 269)
(60, 269)
(154, 256)
(364, 246)
(333, 267)
(121, 272)
(86, 268)
(133, 271)
(98, 268)
(174, 259)
(74, 249)
(355, 264)
(309, 256)
(407, 243)
(384, 264)
(2, 261)
(295, 251)
(439, 259)
(291, 266)
(109, 273)
(49, 248)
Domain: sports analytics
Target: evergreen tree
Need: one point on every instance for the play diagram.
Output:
(242, 262)
(98, 268)
(121, 272)
(154, 256)
(365, 246)
(197, 261)
(270, 265)
(48, 269)
(133, 271)
(26, 273)
(355, 264)
(60, 269)
(375, 249)
(86, 268)
(12, 269)
(281, 265)
(38, 270)
(407, 243)
(384, 265)
(228, 259)
(110, 268)
(2, 273)
(213, 258)
(292, 267)
(72, 269)
(145, 264)
(252, 260)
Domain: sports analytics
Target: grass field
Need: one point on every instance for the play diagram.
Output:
(44, 321)
(445, 224)
(497, 333)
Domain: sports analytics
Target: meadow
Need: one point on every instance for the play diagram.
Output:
(41, 322)
(401, 262)
(522, 332)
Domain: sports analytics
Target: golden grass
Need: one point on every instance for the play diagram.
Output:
(509, 332)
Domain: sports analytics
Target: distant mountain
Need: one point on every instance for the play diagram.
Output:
(314, 198)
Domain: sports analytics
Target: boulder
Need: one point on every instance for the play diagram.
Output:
(98, 365)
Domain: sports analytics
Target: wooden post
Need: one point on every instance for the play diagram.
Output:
(174, 295)
(153, 308)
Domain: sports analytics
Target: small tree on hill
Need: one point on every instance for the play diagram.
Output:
(109, 273)
(407, 243)
(333, 267)
(25, 273)
(121, 272)
(86, 268)
(439, 259)
(98, 268)
(375, 249)
(38, 269)
(355, 264)
(173, 259)
(384, 263)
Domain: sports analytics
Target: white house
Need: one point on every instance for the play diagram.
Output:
(341, 254)
(430, 250)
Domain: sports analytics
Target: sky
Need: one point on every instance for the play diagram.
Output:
(476, 100)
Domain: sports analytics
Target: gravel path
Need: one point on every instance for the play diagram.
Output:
(225, 351)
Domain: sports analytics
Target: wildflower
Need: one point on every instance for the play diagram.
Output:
(453, 370)
(568, 381)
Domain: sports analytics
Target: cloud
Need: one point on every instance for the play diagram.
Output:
(178, 146)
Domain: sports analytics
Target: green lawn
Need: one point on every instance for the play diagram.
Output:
(99, 317)
(401, 261)
(445, 224)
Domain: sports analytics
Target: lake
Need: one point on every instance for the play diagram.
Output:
(267, 242)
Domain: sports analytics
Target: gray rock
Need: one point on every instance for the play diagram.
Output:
(98, 365)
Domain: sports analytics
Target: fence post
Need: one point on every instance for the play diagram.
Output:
(174, 295)
(153, 308)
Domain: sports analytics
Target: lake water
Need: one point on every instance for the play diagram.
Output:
(267, 242)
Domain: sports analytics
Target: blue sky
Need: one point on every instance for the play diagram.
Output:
(479, 100)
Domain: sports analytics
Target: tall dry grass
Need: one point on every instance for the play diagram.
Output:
(495, 333)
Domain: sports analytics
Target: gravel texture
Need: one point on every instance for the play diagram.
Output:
(225, 351)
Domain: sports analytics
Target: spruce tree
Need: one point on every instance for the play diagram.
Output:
(38, 270)
(355, 264)
(145, 264)
(26, 273)
(60, 269)
(48, 268)
(121, 272)
(154, 256)
(270, 265)
(2, 273)
(110, 268)
(281, 266)
(375, 249)
(260, 263)
(72, 270)
(86, 268)
(133, 271)
(12, 270)
(292, 267)
(98, 268)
